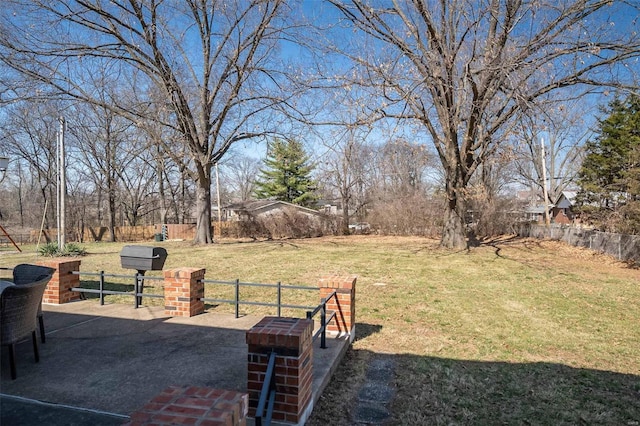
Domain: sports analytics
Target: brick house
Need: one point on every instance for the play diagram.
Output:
(562, 209)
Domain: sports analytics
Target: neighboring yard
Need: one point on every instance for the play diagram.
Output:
(516, 332)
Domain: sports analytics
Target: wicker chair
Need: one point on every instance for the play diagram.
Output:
(26, 273)
(18, 309)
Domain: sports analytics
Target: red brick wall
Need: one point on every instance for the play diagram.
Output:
(183, 288)
(291, 339)
(192, 405)
(57, 291)
(344, 304)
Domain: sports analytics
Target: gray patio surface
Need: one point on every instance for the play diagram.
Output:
(101, 363)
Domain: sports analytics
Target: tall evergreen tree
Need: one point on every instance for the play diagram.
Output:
(610, 174)
(287, 176)
(607, 173)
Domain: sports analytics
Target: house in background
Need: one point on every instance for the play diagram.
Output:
(250, 210)
(532, 205)
(562, 210)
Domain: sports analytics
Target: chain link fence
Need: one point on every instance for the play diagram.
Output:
(622, 247)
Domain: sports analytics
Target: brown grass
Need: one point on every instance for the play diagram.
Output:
(515, 331)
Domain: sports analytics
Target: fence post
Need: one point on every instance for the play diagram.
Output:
(279, 299)
(183, 291)
(237, 298)
(101, 288)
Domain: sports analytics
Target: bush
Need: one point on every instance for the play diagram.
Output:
(49, 249)
(73, 249)
(288, 223)
(416, 215)
(70, 249)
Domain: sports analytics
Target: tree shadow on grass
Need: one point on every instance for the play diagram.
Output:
(442, 391)
(364, 330)
(108, 286)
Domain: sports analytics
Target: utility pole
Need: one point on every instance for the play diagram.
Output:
(62, 187)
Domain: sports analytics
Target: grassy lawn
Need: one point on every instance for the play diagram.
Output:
(513, 332)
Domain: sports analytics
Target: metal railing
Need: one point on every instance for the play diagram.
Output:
(138, 286)
(322, 308)
(236, 301)
(138, 283)
(267, 394)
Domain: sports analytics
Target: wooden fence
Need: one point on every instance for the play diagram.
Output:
(187, 232)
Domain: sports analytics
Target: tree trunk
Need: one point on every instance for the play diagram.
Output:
(163, 199)
(112, 215)
(345, 217)
(453, 233)
(203, 206)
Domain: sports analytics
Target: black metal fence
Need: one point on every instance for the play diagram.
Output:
(137, 280)
(237, 301)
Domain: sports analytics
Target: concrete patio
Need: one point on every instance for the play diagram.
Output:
(101, 363)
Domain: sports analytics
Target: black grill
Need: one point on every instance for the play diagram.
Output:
(142, 259)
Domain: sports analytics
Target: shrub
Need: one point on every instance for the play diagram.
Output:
(49, 249)
(288, 223)
(70, 249)
(416, 215)
(73, 249)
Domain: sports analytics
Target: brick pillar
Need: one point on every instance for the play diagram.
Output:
(193, 405)
(344, 304)
(292, 340)
(183, 288)
(57, 291)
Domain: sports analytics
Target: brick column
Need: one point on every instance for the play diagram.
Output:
(292, 340)
(57, 291)
(344, 304)
(183, 288)
(193, 405)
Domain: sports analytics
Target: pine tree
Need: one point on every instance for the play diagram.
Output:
(287, 176)
(610, 173)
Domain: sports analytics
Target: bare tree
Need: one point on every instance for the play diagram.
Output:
(465, 69)
(345, 170)
(212, 59)
(31, 140)
(562, 128)
(102, 148)
(402, 165)
(240, 174)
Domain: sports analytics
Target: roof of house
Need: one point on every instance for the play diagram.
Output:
(537, 209)
(255, 206)
(566, 199)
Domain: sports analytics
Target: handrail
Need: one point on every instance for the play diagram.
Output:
(267, 394)
(322, 308)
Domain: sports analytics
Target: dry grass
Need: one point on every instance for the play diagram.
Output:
(512, 332)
